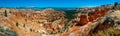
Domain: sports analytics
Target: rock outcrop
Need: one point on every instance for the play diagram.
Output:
(30, 23)
(50, 22)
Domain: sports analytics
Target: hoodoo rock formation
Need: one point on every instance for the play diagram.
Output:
(92, 15)
(50, 22)
(90, 20)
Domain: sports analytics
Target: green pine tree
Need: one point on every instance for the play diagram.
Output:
(5, 13)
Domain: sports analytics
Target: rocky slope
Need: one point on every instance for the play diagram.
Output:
(50, 22)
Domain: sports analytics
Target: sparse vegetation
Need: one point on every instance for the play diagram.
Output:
(5, 13)
(7, 32)
(116, 3)
(108, 32)
(23, 25)
(64, 22)
(17, 24)
(30, 29)
(70, 14)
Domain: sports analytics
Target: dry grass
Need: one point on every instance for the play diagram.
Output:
(108, 32)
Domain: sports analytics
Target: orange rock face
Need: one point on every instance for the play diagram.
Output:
(86, 20)
(92, 15)
(83, 20)
(49, 22)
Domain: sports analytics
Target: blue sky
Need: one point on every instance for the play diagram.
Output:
(54, 3)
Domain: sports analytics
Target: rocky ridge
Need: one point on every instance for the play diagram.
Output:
(50, 22)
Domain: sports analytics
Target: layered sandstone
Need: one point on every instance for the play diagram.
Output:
(49, 22)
